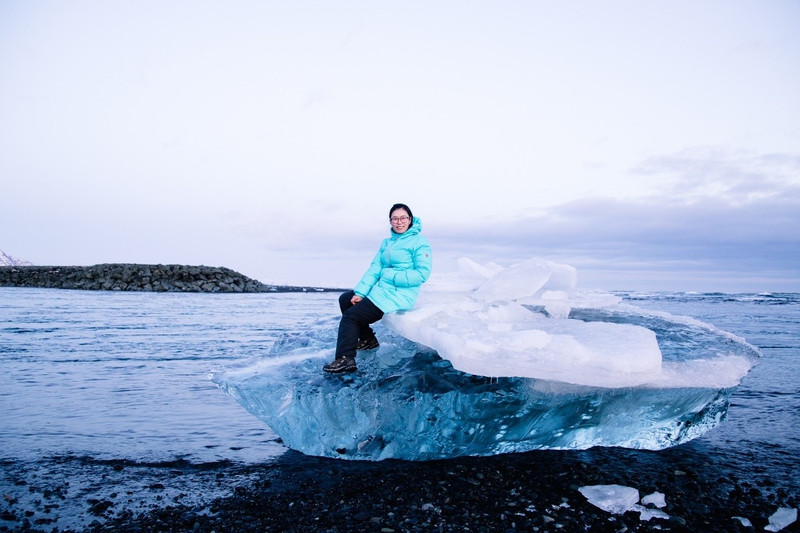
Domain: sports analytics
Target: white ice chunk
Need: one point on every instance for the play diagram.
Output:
(744, 521)
(619, 499)
(781, 518)
(657, 499)
(486, 331)
(506, 339)
(527, 279)
(719, 372)
(646, 513)
(616, 499)
(468, 266)
(469, 276)
(514, 322)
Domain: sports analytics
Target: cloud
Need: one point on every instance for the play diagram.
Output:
(722, 220)
(720, 216)
(610, 226)
(736, 177)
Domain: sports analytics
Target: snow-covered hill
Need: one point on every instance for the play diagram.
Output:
(7, 260)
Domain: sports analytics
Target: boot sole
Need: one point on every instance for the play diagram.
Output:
(367, 348)
(339, 370)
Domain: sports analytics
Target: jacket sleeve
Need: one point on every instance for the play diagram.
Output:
(371, 276)
(418, 274)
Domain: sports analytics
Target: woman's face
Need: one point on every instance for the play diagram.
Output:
(400, 220)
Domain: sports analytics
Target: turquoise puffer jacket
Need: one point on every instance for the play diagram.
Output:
(401, 266)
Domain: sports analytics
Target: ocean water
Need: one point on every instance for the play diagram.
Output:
(107, 396)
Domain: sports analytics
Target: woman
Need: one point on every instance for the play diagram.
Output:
(391, 283)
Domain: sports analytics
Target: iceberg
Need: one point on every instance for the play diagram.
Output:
(498, 360)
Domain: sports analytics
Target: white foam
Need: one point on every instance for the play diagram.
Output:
(268, 364)
(481, 320)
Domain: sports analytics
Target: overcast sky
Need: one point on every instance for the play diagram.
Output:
(652, 145)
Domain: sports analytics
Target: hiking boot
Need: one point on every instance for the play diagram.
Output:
(343, 364)
(368, 344)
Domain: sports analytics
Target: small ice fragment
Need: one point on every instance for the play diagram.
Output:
(781, 518)
(657, 499)
(616, 499)
(745, 522)
(646, 513)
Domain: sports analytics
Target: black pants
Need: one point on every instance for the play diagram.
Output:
(355, 323)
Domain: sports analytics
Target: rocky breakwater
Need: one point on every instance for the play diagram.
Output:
(136, 277)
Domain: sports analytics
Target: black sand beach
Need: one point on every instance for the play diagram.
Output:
(536, 491)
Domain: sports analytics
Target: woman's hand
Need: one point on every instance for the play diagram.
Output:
(355, 299)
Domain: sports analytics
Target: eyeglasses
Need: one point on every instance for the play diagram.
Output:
(395, 220)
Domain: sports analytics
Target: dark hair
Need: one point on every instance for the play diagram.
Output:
(395, 207)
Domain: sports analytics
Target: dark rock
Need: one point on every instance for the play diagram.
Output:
(99, 507)
(135, 277)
